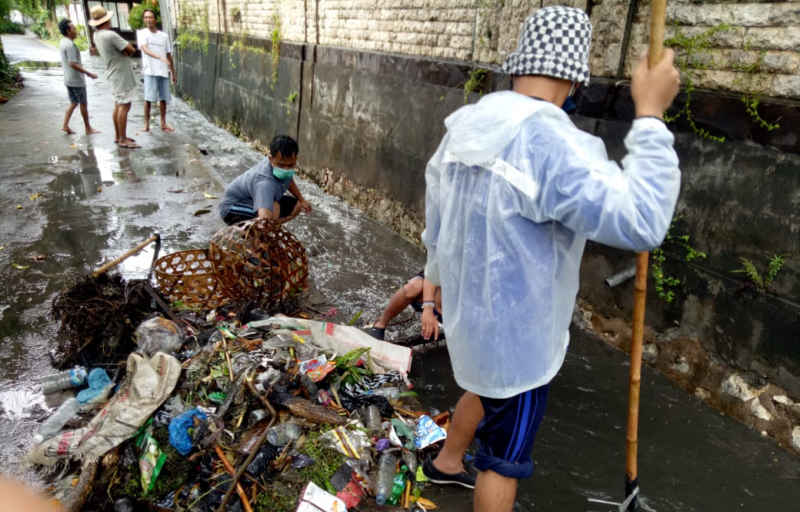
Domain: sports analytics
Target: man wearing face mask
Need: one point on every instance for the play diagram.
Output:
(261, 190)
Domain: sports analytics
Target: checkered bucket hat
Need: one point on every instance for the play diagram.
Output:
(554, 42)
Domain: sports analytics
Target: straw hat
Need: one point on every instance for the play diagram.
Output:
(99, 16)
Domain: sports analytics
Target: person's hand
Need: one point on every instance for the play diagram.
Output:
(174, 78)
(304, 206)
(92, 76)
(653, 89)
(430, 325)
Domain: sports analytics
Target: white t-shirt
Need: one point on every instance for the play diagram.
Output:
(157, 42)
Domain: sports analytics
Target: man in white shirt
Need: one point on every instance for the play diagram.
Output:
(157, 68)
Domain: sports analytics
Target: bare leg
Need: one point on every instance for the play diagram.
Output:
(147, 116)
(494, 492)
(67, 115)
(399, 301)
(85, 115)
(164, 126)
(124, 140)
(467, 416)
(115, 118)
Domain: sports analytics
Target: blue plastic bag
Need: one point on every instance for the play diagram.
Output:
(179, 436)
(98, 382)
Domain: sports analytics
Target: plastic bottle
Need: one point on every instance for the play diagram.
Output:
(56, 422)
(383, 483)
(373, 419)
(411, 460)
(398, 486)
(63, 380)
(389, 393)
(283, 434)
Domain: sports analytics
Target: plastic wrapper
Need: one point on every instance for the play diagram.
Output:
(352, 494)
(151, 459)
(428, 433)
(351, 443)
(317, 368)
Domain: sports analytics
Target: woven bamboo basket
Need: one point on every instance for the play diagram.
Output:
(188, 277)
(259, 261)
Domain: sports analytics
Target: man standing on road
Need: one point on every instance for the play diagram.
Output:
(157, 68)
(512, 194)
(116, 53)
(261, 190)
(73, 76)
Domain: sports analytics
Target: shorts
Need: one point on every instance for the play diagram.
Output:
(156, 88)
(77, 95)
(505, 434)
(123, 97)
(238, 213)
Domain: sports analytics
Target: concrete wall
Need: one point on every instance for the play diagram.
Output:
(367, 121)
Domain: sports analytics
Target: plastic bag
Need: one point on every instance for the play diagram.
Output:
(148, 383)
(179, 436)
(99, 385)
(158, 335)
(316, 499)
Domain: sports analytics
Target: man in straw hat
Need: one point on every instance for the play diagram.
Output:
(512, 194)
(116, 53)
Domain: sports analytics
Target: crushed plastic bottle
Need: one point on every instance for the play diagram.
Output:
(56, 422)
(63, 380)
(383, 482)
(283, 434)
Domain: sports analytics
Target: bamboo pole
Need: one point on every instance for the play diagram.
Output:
(658, 10)
(113, 263)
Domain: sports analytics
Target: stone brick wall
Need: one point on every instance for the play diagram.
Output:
(754, 47)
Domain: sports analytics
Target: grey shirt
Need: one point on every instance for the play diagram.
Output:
(70, 53)
(118, 65)
(255, 188)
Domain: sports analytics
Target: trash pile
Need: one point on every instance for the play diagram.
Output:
(239, 410)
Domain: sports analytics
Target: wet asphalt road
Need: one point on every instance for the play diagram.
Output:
(84, 201)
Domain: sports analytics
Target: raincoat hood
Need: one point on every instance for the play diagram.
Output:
(500, 116)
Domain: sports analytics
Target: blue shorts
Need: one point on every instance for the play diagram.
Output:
(156, 88)
(505, 434)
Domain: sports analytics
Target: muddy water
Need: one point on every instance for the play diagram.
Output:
(95, 201)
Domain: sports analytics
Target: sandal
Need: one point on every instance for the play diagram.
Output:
(376, 332)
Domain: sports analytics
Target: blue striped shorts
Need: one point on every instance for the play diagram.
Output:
(505, 434)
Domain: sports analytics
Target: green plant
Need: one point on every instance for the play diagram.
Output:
(136, 14)
(475, 82)
(762, 283)
(276, 47)
(290, 99)
(691, 54)
(9, 27)
(666, 284)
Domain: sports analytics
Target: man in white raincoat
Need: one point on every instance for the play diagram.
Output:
(512, 194)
